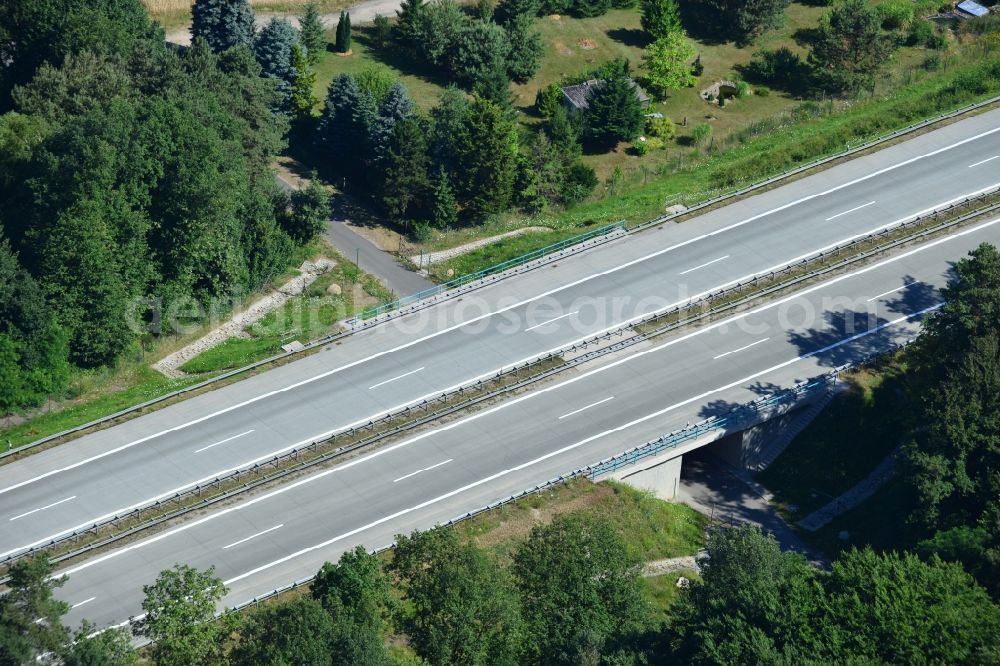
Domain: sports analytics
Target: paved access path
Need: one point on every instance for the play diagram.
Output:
(372, 259)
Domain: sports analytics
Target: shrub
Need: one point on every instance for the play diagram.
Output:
(920, 32)
(895, 14)
(640, 148)
(742, 89)
(579, 181)
(697, 69)
(780, 66)
(932, 63)
(938, 41)
(661, 128)
(654, 143)
(701, 134)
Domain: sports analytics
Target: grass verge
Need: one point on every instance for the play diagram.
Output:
(651, 528)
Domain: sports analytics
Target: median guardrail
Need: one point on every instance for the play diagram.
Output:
(628, 457)
(730, 298)
(492, 276)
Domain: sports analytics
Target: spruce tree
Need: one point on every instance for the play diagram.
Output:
(396, 106)
(445, 208)
(273, 50)
(408, 21)
(403, 170)
(613, 111)
(311, 29)
(526, 48)
(224, 24)
(347, 119)
(486, 156)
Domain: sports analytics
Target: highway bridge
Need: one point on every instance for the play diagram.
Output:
(594, 412)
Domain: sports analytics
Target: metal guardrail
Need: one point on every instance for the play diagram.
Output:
(463, 280)
(819, 162)
(743, 290)
(496, 276)
(737, 419)
(610, 464)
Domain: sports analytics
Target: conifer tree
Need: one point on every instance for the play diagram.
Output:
(223, 23)
(445, 210)
(273, 50)
(303, 99)
(311, 29)
(341, 33)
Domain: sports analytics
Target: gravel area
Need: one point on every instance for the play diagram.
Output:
(236, 325)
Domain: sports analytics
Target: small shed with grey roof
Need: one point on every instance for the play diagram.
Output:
(968, 8)
(575, 97)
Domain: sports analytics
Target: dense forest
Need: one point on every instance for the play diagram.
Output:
(136, 184)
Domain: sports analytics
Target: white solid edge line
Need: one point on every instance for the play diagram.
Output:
(80, 603)
(568, 314)
(405, 374)
(891, 291)
(228, 439)
(989, 159)
(745, 347)
(707, 263)
(590, 335)
(253, 536)
(593, 404)
(870, 203)
(529, 300)
(528, 396)
(42, 508)
(560, 451)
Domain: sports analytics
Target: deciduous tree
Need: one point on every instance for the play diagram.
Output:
(668, 61)
(356, 594)
(465, 607)
(576, 578)
(30, 616)
(111, 646)
(296, 632)
(850, 47)
(660, 18)
(179, 617)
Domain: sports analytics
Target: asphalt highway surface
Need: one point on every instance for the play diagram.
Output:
(597, 410)
(424, 354)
